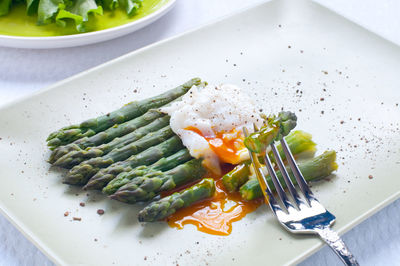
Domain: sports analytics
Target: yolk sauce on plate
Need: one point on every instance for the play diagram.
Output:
(215, 215)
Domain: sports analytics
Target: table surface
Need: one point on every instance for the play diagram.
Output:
(376, 241)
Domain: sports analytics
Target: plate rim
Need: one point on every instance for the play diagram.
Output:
(301, 256)
(87, 37)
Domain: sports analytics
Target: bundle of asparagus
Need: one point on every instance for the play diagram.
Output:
(133, 155)
(134, 141)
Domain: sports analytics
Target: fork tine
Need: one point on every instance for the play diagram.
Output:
(296, 172)
(277, 183)
(269, 197)
(264, 184)
(286, 177)
(272, 201)
(257, 166)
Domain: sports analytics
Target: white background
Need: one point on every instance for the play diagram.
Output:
(23, 71)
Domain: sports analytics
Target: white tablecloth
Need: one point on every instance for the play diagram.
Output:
(374, 242)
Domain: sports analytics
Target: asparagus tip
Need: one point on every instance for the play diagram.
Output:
(117, 197)
(113, 196)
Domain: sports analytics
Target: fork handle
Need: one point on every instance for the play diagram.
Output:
(336, 243)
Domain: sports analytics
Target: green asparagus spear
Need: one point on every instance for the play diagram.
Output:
(299, 143)
(76, 157)
(275, 128)
(237, 177)
(147, 187)
(107, 135)
(161, 165)
(90, 167)
(161, 209)
(134, 109)
(314, 169)
(147, 157)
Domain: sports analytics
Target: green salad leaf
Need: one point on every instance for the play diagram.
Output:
(31, 7)
(110, 4)
(4, 7)
(78, 12)
(131, 6)
(47, 11)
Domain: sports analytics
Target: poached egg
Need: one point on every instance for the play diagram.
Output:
(210, 119)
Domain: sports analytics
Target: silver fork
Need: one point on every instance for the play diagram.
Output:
(297, 216)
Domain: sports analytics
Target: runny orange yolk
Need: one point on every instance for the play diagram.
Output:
(215, 215)
(227, 145)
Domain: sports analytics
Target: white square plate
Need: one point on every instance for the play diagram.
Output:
(292, 54)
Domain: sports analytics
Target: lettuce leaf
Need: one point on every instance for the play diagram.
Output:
(31, 7)
(131, 6)
(4, 7)
(47, 11)
(110, 4)
(78, 12)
